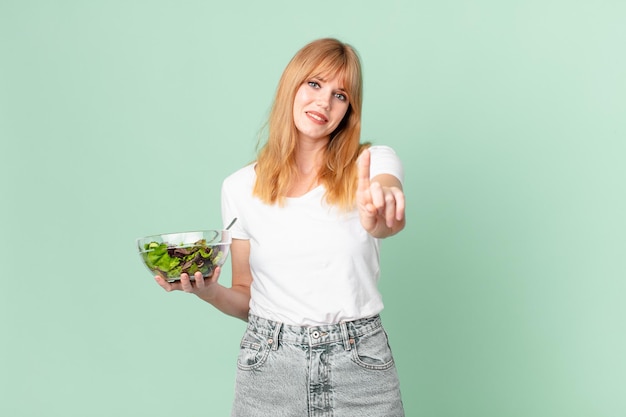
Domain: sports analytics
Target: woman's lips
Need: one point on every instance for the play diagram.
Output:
(316, 117)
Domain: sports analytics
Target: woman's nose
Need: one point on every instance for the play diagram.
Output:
(323, 100)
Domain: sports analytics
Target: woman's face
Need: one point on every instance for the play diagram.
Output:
(319, 107)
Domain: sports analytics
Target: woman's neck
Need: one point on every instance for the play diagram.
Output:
(310, 156)
(309, 160)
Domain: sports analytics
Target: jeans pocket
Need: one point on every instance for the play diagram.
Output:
(372, 351)
(253, 351)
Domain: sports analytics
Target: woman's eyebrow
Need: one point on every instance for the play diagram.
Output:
(323, 79)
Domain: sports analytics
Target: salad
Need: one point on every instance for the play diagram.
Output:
(170, 261)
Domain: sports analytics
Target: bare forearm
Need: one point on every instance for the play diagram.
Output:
(233, 301)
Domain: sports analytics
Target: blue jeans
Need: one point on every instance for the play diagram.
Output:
(341, 370)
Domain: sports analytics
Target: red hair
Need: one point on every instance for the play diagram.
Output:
(276, 167)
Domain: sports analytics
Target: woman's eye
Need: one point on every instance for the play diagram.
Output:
(341, 97)
(314, 84)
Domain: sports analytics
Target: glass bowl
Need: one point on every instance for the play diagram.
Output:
(172, 254)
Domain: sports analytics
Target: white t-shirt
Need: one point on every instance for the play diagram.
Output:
(311, 263)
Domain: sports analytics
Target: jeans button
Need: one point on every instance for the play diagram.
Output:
(315, 334)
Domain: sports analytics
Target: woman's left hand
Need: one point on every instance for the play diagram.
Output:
(380, 201)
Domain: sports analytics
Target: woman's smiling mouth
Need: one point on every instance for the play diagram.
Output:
(317, 117)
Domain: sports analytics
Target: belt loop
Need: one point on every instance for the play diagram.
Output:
(344, 335)
(274, 339)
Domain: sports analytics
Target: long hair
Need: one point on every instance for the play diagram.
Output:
(276, 166)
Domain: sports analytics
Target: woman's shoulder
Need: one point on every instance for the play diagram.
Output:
(384, 154)
(381, 150)
(242, 178)
(245, 173)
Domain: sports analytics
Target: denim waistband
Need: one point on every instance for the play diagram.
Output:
(314, 335)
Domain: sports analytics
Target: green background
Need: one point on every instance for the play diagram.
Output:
(505, 294)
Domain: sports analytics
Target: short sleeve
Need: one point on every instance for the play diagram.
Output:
(232, 193)
(384, 160)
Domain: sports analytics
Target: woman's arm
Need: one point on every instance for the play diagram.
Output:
(380, 201)
(233, 301)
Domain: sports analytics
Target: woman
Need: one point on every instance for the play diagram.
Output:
(305, 252)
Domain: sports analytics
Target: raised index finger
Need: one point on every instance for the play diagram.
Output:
(364, 171)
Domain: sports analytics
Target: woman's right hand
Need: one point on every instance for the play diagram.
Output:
(234, 301)
(202, 287)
